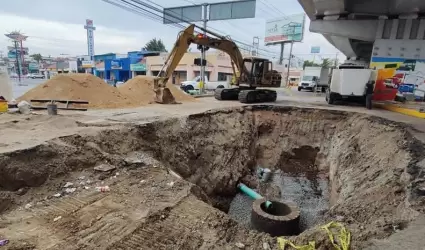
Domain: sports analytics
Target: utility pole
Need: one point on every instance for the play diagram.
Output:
(282, 49)
(18, 61)
(203, 56)
(290, 56)
(289, 63)
(255, 45)
(336, 60)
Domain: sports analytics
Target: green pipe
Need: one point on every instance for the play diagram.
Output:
(251, 193)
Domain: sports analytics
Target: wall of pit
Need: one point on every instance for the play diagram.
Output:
(369, 162)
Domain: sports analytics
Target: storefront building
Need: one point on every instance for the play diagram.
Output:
(118, 69)
(121, 67)
(218, 67)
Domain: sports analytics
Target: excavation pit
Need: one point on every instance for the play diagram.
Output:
(310, 194)
(363, 171)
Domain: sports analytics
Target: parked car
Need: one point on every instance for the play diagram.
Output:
(195, 84)
(36, 76)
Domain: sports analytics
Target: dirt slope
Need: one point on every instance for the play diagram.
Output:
(373, 166)
(141, 88)
(81, 87)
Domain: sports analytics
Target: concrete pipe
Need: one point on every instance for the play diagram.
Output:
(280, 219)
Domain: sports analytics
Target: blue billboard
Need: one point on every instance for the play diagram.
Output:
(315, 50)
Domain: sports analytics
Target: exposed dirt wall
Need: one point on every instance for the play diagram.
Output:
(374, 166)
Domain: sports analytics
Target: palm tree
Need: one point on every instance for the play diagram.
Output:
(326, 63)
(155, 45)
(37, 57)
(308, 63)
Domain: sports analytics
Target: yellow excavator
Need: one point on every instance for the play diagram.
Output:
(252, 72)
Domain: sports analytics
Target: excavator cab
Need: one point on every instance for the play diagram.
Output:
(261, 73)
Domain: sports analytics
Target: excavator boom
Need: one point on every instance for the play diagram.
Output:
(185, 39)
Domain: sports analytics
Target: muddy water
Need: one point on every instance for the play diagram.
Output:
(312, 196)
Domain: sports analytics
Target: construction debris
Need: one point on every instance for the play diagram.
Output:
(240, 245)
(57, 218)
(3, 242)
(103, 189)
(70, 190)
(24, 107)
(68, 184)
(104, 168)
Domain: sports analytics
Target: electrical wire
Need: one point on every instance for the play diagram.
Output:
(237, 28)
(158, 17)
(272, 7)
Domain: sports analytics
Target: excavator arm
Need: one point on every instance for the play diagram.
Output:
(184, 40)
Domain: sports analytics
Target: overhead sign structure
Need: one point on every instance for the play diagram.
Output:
(315, 50)
(181, 14)
(90, 37)
(217, 11)
(287, 29)
(232, 10)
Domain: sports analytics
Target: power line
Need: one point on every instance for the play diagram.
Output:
(272, 7)
(158, 17)
(237, 28)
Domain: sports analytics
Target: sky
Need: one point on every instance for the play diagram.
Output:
(56, 27)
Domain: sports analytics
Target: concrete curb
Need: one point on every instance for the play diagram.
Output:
(405, 111)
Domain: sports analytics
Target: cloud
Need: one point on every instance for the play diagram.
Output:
(54, 38)
(51, 37)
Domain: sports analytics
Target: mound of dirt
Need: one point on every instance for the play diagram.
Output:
(85, 87)
(141, 88)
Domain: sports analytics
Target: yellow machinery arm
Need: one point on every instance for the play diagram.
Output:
(184, 40)
(187, 37)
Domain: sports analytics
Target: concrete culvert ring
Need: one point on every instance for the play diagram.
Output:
(282, 218)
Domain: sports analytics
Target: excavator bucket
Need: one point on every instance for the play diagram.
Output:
(163, 94)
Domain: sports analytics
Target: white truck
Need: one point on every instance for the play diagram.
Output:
(195, 84)
(313, 78)
(352, 82)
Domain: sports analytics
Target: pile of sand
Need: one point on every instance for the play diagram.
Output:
(85, 87)
(141, 88)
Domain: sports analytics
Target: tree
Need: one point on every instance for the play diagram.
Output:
(326, 63)
(155, 45)
(308, 63)
(37, 57)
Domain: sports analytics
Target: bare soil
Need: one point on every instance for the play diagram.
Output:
(375, 170)
(141, 88)
(84, 87)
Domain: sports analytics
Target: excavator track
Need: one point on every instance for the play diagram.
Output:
(227, 94)
(257, 95)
